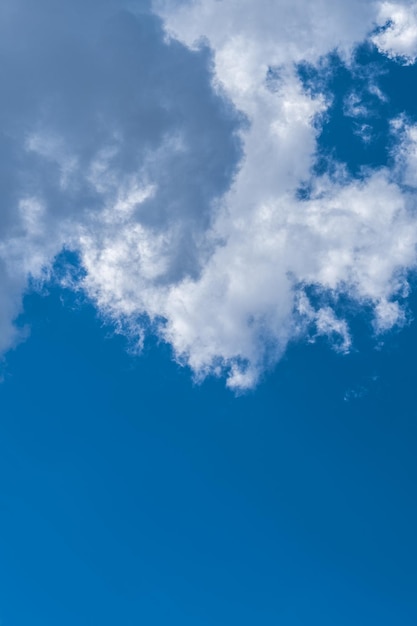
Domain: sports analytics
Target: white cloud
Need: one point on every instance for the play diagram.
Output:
(180, 188)
(397, 37)
(355, 238)
(406, 151)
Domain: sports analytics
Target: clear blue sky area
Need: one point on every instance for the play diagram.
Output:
(131, 496)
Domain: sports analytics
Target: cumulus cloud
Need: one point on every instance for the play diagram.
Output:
(397, 36)
(168, 145)
(108, 134)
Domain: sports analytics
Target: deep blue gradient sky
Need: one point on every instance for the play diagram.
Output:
(131, 496)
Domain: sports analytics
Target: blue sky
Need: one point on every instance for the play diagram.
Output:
(208, 244)
(129, 494)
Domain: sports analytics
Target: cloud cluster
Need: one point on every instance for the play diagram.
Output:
(397, 35)
(169, 146)
(107, 134)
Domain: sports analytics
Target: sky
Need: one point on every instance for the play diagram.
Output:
(208, 252)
